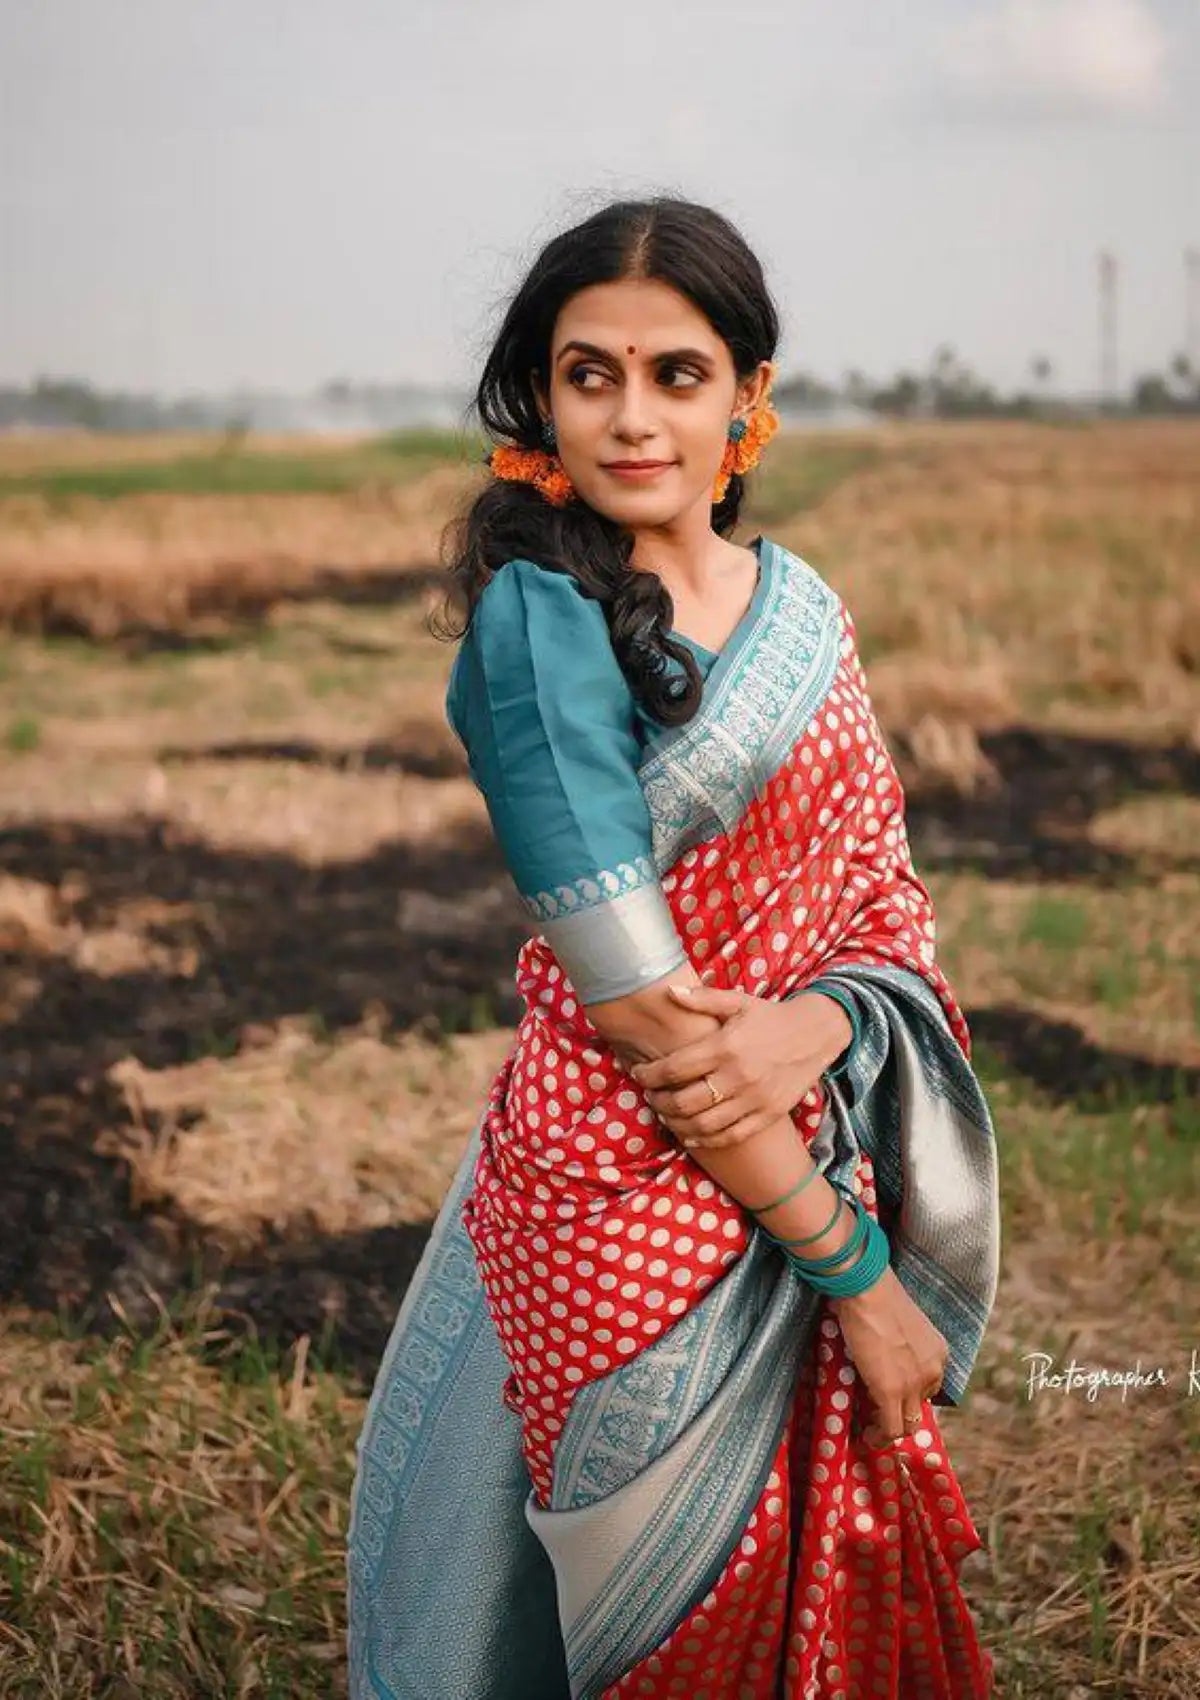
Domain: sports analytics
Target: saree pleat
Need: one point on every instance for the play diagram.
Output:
(685, 1411)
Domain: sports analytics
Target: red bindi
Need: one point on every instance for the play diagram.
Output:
(631, 349)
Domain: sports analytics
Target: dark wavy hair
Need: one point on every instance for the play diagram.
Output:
(701, 254)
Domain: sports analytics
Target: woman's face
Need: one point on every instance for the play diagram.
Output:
(637, 373)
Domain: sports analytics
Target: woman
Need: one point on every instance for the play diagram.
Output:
(656, 1414)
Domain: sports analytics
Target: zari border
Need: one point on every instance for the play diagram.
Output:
(700, 779)
(617, 947)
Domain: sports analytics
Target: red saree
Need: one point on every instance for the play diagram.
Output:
(595, 1233)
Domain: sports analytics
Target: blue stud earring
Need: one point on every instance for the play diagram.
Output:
(737, 430)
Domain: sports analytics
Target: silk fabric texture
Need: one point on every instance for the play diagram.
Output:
(614, 1447)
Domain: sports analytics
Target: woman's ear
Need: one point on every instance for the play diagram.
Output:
(751, 392)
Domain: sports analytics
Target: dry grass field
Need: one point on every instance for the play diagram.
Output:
(257, 957)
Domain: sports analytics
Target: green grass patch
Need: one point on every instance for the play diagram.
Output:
(1058, 923)
(243, 470)
(1116, 980)
(23, 734)
(1108, 1168)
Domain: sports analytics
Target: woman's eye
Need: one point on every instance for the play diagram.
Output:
(579, 372)
(688, 371)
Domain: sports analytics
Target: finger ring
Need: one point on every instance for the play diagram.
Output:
(911, 1423)
(716, 1095)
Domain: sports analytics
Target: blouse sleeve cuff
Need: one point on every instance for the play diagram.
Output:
(610, 949)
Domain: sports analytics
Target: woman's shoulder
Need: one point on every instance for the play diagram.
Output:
(527, 607)
(522, 583)
(799, 567)
(533, 631)
(811, 594)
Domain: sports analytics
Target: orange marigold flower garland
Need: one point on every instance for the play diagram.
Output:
(739, 457)
(533, 466)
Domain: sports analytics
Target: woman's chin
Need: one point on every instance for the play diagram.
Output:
(656, 503)
(646, 507)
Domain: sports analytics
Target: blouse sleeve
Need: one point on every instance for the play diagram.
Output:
(544, 712)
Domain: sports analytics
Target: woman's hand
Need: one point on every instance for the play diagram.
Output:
(897, 1351)
(763, 1058)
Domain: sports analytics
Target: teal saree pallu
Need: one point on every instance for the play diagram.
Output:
(449, 1591)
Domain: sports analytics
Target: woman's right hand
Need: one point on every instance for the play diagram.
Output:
(897, 1351)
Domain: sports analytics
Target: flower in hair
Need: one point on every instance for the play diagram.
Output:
(533, 466)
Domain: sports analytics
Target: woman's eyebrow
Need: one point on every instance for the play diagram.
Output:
(604, 354)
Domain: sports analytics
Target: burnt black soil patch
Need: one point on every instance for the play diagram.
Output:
(1034, 825)
(270, 937)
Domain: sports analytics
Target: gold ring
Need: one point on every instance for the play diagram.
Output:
(912, 1423)
(716, 1095)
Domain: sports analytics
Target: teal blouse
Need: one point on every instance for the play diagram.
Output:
(554, 738)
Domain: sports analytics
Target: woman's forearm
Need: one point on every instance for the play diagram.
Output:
(761, 1169)
(650, 1023)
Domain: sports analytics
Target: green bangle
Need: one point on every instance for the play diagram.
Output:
(822, 1265)
(842, 1255)
(848, 1283)
(809, 1238)
(757, 1209)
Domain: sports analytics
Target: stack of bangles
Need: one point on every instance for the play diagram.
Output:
(820, 1272)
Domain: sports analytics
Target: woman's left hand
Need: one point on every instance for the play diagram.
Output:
(763, 1058)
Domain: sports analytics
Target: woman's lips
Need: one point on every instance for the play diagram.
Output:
(637, 473)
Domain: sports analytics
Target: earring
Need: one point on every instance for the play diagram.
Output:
(745, 441)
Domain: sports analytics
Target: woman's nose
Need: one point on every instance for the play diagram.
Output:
(634, 412)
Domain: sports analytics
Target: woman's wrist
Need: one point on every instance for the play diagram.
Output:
(868, 1297)
(838, 1231)
(852, 1267)
(815, 1216)
(836, 1033)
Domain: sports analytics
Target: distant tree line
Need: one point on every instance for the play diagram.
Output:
(70, 403)
(949, 389)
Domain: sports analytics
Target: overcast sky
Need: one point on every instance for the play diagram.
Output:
(279, 192)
